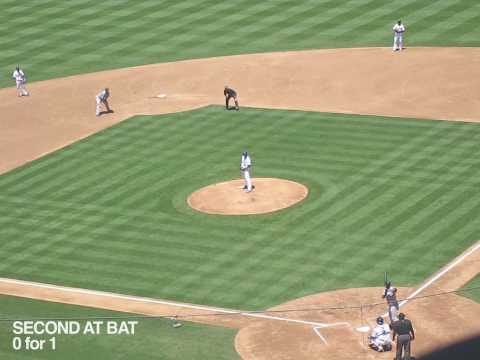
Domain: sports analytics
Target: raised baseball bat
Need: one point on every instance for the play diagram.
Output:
(385, 280)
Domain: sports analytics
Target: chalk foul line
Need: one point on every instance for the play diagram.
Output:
(110, 295)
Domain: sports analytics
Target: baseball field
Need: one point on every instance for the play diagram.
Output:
(95, 224)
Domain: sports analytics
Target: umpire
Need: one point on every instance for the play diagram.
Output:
(403, 330)
(230, 93)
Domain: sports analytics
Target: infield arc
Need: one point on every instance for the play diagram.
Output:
(229, 198)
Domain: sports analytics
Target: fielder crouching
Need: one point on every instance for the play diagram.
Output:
(102, 98)
(230, 93)
(380, 339)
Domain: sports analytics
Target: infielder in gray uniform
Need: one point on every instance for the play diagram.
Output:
(390, 294)
(102, 98)
(404, 329)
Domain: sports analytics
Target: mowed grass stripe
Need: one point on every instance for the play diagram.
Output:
(245, 262)
(191, 165)
(118, 146)
(260, 259)
(426, 197)
(198, 341)
(436, 157)
(337, 206)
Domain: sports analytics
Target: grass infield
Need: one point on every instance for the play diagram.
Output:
(110, 212)
(53, 38)
(153, 338)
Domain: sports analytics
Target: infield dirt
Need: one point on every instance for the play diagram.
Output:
(229, 198)
(431, 83)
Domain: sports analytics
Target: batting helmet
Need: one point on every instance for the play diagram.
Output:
(379, 320)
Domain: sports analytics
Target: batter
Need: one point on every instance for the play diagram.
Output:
(390, 294)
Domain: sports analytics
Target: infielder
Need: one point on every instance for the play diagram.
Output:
(20, 80)
(102, 98)
(381, 339)
(390, 294)
(246, 168)
(230, 93)
(398, 30)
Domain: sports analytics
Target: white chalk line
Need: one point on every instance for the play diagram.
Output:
(160, 302)
(442, 272)
(316, 326)
(316, 329)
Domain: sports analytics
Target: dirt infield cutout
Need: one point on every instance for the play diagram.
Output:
(229, 198)
(430, 83)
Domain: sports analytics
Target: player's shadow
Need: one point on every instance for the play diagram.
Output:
(105, 112)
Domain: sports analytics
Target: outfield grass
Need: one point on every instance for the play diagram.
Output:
(472, 289)
(153, 338)
(109, 212)
(52, 38)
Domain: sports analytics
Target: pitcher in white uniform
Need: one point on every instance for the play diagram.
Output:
(398, 30)
(20, 80)
(246, 168)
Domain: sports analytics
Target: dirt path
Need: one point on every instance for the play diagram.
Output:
(438, 320)
(229, 198)
(436, 83)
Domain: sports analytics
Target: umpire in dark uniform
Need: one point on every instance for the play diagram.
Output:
(230, 93)
(403, 331)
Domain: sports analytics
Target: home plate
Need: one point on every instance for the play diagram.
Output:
(162, 96)
(363, 329)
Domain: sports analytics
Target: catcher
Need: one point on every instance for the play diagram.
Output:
(380, 339)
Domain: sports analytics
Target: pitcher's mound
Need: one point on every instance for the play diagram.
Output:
(229, 198)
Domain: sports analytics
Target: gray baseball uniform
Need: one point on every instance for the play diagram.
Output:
(390, 294)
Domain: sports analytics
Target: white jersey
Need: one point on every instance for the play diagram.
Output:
(103, 95)
(245, 162)
(19, 75)
(381, 333)
(399, 29)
